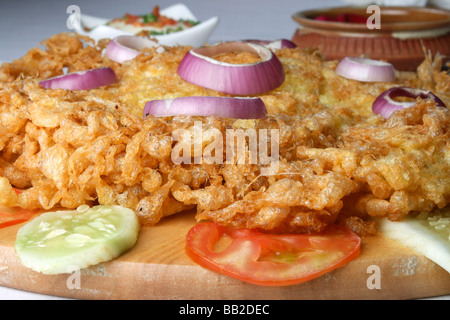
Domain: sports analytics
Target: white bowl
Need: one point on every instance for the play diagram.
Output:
(195, 36)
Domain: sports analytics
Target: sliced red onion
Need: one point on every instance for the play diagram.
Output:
(366, 70)
(385, 104)
(199, 68)
(82, 80)
(123, 48)
(277, 44)
(226, 107)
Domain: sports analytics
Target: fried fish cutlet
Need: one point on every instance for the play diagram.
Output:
(338, 161)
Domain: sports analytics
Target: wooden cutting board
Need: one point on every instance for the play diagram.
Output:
(158, 268)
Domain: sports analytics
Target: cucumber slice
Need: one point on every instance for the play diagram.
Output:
(65, 241)
(425, 233)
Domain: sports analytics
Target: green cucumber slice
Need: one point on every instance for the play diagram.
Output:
(425, 233)
(64, 241)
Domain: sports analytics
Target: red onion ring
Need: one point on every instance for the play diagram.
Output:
(276, 44)
(226, 107)
(197, 67)
(385, 104)
(123, 48)
(366, 70)
(82, 80)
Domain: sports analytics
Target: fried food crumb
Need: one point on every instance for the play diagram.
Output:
(339, 163)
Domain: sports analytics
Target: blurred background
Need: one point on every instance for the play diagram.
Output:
(25, 23)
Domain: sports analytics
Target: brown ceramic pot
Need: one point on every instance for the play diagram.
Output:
(404, 35)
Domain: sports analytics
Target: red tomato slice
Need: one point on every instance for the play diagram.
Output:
(14, 215)
(270, 259)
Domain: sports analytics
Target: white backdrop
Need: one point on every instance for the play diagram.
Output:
(24, 23)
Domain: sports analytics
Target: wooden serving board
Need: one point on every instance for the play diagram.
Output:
(158, 268)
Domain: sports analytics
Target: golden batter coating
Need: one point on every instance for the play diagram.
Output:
(339, 163)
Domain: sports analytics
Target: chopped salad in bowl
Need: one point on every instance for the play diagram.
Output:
(175, 25)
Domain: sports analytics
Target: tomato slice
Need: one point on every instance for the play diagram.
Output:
(271, 259)
(14, 215)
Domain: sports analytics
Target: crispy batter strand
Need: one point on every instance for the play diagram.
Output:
(339, 163)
